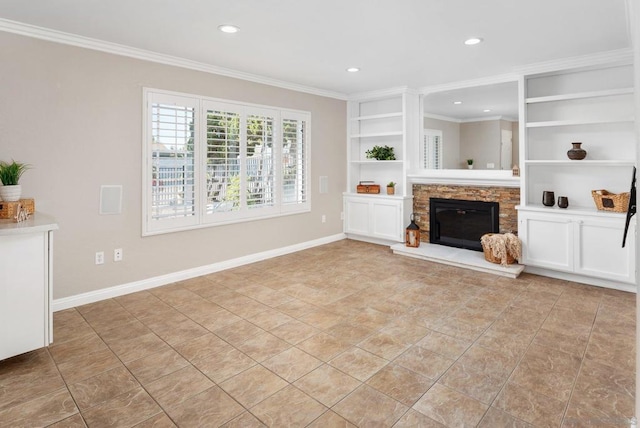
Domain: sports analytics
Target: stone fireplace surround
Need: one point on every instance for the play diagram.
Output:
(507, 197)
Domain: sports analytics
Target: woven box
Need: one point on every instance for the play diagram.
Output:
(368, 188)
(10, 209)
(606, 201)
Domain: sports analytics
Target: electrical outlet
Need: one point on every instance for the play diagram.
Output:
(324, 218)
(491, 165)
(117, 255)
(100, 258)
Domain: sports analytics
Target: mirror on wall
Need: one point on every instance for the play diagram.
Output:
(478, 123)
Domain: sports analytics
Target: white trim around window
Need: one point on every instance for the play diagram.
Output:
(207, 162)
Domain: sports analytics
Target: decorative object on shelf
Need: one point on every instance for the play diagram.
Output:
(501, 248)
(381, 153)
(10, 209)
(563, 201)
(10, 174)
(607, 201)
(548, 198)
(412, 235)
(367, 187)
(515, 170)
(391, 188)
(22, 214)
(577, 152)
(470, 163)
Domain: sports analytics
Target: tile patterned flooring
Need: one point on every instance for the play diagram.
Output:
(341, 335)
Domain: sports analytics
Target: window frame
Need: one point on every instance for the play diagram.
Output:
(201, 217)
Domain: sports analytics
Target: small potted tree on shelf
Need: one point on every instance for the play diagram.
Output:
(470, 163)
(381, 153)
(391, 188)
(10, 174)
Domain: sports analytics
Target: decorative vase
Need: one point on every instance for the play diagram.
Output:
(563, 201)
(577, 153)
(11, 193)
(548, 198)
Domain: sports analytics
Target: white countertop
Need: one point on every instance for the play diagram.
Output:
(37, 223)
(465, 177)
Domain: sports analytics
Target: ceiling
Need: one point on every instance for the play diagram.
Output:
(415, 43)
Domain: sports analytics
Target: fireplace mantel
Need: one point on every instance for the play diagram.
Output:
(465, 177)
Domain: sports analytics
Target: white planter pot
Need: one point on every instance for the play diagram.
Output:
(470, 166)
(11, 193)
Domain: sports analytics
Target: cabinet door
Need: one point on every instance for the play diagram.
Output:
(23, 305)
(546, 241)
(386, 217)
(356, 216)
(599, 251)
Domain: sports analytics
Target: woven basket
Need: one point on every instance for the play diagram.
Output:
(488, 256)
(606, 201)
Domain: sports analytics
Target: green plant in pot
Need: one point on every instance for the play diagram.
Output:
(470, 163)
(391, 188)
(381, 153)
(10, 174)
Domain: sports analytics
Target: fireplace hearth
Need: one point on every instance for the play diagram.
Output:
(461, 223)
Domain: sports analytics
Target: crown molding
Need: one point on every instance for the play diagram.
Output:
(441, 117)
(145, 55)
(382, 93)
(615, 57)
(484, 81)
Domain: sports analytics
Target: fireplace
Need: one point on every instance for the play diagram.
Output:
(461, 223)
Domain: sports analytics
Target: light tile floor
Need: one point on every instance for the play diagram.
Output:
(345, 334)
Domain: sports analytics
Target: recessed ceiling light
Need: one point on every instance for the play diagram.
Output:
(457, 102)
(228, 28)
(487, 110)
(472, 41)
(353, 69)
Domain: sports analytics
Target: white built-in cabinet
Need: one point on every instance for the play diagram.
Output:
(593, 106)
(25, 285)
(383, 120)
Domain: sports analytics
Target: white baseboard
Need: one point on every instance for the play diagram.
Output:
(157, 281)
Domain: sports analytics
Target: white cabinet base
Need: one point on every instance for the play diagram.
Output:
(25, 285)
(583, 247)
(376, 218)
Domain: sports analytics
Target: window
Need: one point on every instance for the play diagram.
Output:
(211, 162)
(431, 149)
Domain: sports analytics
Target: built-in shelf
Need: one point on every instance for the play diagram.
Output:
(591, 211)
(580, 95)
(378, 134)
(377, 116)
(580, 162)
(382, 195)
(377, 162)
(576, 122)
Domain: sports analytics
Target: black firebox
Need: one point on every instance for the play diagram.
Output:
(459, 223)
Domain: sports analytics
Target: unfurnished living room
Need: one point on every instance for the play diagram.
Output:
(411, 213)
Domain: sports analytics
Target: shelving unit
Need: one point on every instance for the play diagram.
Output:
(383, 120)
(595, 107)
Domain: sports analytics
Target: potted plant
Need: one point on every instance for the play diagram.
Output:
(381, 153)
(391, 188)
(10, 174)
(470, 163)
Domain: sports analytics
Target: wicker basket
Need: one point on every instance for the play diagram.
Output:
(606, 201)
(488, 256)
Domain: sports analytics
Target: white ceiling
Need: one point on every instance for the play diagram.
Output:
(413, 43)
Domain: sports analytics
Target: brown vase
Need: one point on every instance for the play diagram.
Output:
(577, 153)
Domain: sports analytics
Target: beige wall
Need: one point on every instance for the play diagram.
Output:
(75, 115)
(450, 140)
(480, 141)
